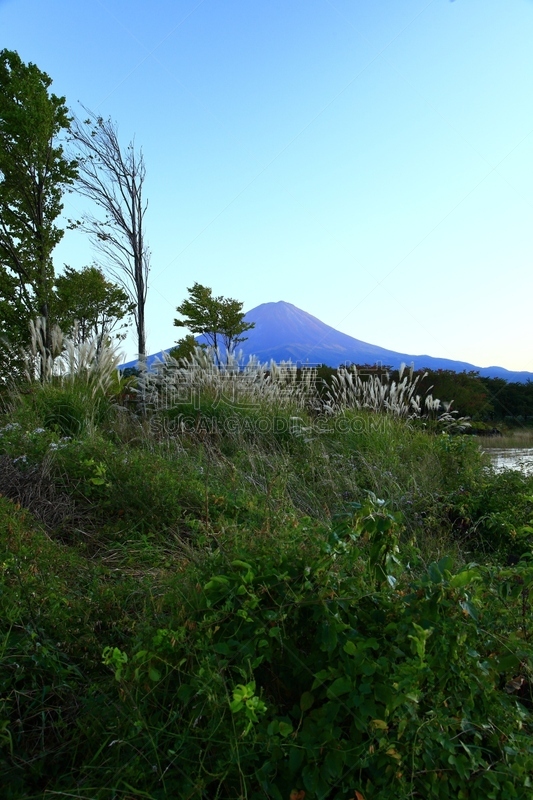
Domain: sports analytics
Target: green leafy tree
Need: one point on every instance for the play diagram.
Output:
(87, 306)
(511, 402)
(219, 319)
(34, 174)
(464, 389)
(184, 348)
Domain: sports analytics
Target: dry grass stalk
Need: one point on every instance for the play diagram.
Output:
(381, 395)
(203, 376)
(92, 363)
(35, 489)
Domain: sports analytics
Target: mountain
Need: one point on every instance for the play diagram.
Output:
(284, 332)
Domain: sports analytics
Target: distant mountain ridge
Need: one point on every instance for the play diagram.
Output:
(284, 332)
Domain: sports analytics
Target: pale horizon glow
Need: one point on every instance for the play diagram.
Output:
(371, 163)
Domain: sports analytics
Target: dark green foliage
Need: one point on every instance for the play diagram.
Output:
(130, 372)
(511, 403)
(485, 400)
(465, 389)
(184, 348)
(66, 413)
(498, 516)
(489, 400)
(219, 319)
(140, 490)
(34, 173)
(54, 607)
(68, 410)
(87, 306)
(330, 669)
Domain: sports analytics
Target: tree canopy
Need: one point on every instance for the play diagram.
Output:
(34, 174)
(87, 305)
(219, 319)
(184, 348)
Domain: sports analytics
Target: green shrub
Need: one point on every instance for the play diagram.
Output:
(497, 517)
(333, 678)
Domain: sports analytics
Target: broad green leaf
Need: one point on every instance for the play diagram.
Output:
(334, 763)
(185, 692)
(329, 638)
(243, 564)
(296, 757)
(469, 609)
(463, 578)
(445, 564)
(339, 687)
(350, 648)
(285, 729)
(222, 648)
(507, 663)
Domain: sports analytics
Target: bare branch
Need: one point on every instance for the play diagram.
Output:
(113, 179)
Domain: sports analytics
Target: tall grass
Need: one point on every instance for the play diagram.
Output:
(380, 394)
(204, 377)
(518, 438)
(68, 383)
(67, 361)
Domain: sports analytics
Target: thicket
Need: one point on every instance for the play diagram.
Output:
(486, 401)
(221, 590)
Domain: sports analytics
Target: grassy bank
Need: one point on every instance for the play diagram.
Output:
(243, 596)
(517, 437)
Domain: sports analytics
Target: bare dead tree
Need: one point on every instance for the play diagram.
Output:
(114, 180)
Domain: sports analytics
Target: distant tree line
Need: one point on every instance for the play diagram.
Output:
(511, 402)
(491, 401)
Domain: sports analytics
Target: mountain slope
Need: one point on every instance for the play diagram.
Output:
(284, 332)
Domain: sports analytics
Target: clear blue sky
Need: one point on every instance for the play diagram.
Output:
(370, 161)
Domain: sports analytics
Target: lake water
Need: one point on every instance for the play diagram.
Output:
(512, 458)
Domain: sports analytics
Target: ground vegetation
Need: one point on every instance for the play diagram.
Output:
(235, 589)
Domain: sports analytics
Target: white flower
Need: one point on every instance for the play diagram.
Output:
(10, 427)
